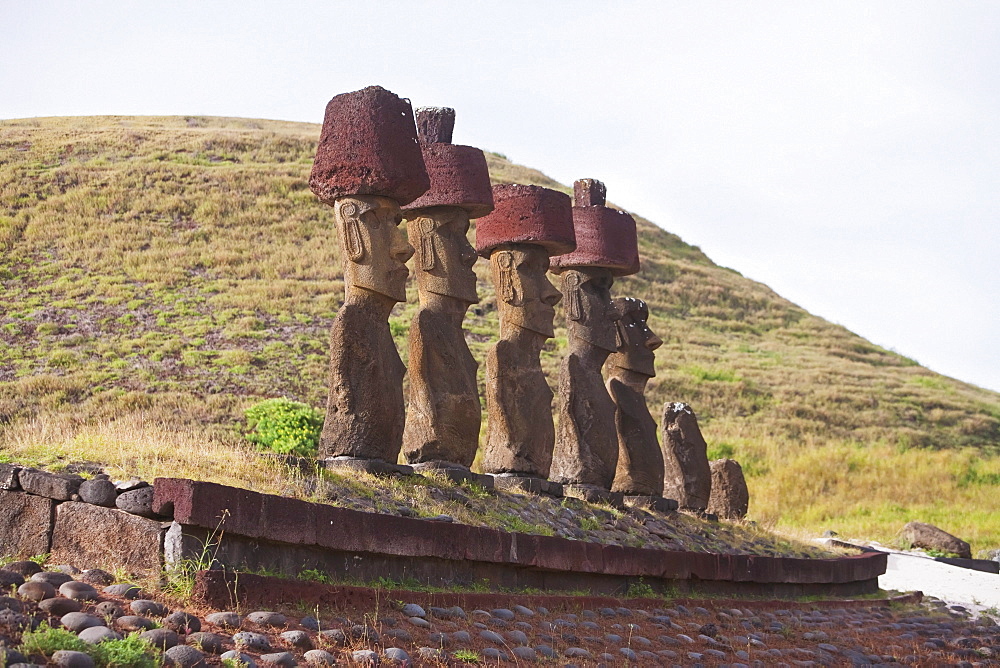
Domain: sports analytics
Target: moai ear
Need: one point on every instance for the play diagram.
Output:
(508, 293)
(428, 245)
(350, 215)
(571, 288)
(621, 337)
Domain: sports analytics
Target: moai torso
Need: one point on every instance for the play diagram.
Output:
(365, 410)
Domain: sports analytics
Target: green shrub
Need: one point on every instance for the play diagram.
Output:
(46, 641)
(285, 426)
(129, 652)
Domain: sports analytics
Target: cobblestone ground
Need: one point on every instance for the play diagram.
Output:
(397, 632)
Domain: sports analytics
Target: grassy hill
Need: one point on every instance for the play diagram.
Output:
(167, 272)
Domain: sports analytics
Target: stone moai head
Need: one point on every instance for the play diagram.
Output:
(636, 341)
(606, 246)
(368, 163)
(438, 221)
(529, 224)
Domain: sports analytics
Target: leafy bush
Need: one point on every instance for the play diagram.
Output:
(285, 426)
(129, 652)
(46, 641)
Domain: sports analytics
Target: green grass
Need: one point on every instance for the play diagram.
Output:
(179, 269)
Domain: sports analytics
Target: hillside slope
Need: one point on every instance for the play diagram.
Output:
(180, 267)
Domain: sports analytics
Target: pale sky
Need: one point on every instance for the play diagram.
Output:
(846, 154)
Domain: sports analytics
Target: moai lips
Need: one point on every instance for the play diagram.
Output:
(586, 450)
(368, 163)
(368, 146)
(444, 413)
(605, 237)
(528, 225)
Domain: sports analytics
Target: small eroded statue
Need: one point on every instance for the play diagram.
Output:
(529, 224)
(444, 413)
(640, 460)
(586, 450)
(367, 164)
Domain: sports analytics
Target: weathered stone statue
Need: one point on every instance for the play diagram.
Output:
(640, 460)
(687, 475)
(529, 224)
(729, 498)
(586, 449)
(443, 416)
(367, 164)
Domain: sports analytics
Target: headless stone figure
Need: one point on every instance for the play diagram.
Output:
(518, 398)
(586, 450)
(640, 460)
(442, 423)
(365, 411)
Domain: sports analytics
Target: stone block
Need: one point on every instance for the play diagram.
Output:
(209, 505)
(527, 215)
(456, 474)
(369, 466)
(8, 477)
(592, 494)
(94, 536)
(729, 497)
(928, 536)
(529, 484)
(25, 524)
(652, 503)
(368, 146)
(50, 485)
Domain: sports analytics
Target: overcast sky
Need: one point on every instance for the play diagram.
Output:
(846, 154)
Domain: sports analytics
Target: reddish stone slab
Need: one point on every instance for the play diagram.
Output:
(25, 524)
(527, 215)
(97, 537)
(368, 146)
(459, 177)
(605, 237)
(209, 505)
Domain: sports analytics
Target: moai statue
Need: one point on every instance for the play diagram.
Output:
(586, 451)
(529, 225)
(368, 163)
(639, 475)
(444, 413)
(688, 477)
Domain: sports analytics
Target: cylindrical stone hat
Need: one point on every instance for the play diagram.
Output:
(459, 175)
(527, 215)
(605, 237)
(369, 146)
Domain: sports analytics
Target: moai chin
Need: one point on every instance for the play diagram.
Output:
(586, 450)
(529, 225)
(367, 164)
(444, 413)
(640, 460)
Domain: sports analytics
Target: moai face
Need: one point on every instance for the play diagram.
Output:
(526, 297)
(590, 314)
(636, 341)
(375, 249)
(444, 254)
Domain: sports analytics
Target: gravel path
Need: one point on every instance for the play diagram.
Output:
(971, 589)
(660, 632)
